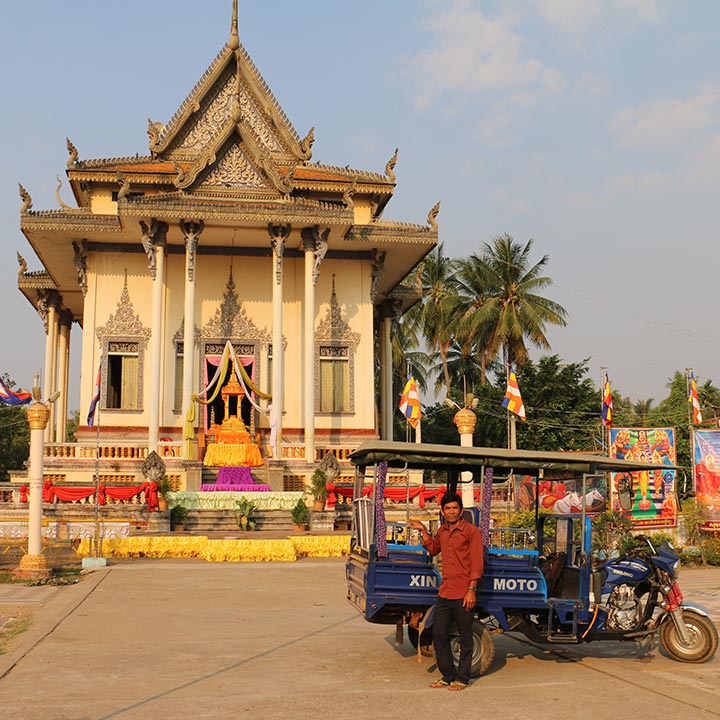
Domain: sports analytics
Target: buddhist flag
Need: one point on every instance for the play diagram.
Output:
(8, 397)
(607, 408)
(513, 401)
(96, 398)
(694, 400)
(410, 403)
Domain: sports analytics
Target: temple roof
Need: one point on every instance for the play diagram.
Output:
(230, 155)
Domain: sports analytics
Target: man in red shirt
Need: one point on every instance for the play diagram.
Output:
(460, 544)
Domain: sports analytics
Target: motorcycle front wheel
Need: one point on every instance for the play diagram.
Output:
(483, 649)
(703, 638)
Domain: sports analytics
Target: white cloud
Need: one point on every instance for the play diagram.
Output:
(643, 184)
(591, 84)
(502, 196)
(578, 17)
(473, 53)
(666, 121)
(646, 11)
(569, 16)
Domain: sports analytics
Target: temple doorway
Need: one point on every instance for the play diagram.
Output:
(215, 411)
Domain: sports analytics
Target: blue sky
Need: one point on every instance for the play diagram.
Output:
(591, 126)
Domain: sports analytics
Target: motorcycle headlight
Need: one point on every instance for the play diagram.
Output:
(676, 568)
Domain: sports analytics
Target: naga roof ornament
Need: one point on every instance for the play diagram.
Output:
(63, 205)
(27, 200)
(390, 167)
(72, 153)
(432, 216)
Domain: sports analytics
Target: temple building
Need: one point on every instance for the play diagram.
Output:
(226, 231)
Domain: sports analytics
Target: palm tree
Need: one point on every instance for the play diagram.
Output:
(510, 310)
(641, 409)
(430, 317)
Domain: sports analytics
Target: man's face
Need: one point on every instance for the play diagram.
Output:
(452, 512)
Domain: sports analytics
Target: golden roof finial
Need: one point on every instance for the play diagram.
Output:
(234, 35)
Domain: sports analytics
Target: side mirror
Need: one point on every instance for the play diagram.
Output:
(625, 495)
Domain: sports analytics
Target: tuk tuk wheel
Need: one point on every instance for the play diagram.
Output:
(483, 649)
(426, 641)
(703, 638)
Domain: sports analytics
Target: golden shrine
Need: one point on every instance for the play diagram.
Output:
(232, 444)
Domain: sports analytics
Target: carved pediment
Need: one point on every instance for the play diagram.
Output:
(234, 169)
(124, 323)
(231, 320)
(334, 327)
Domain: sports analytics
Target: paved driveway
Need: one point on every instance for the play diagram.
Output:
(182, 639)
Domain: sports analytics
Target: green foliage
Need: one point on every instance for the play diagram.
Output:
(524, 519)
(164, 486)
(711, 549)
(72, 425)
(178, 514)
(245, 513)
(318, 485)
(14, 436)
(300, 513)
(611, 534)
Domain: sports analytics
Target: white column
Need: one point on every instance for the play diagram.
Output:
(50, 355)
(191, 232)
(38, 414)
(62, 375)
(310, 245)
(155, 247)
(387, 399)
(278, 236)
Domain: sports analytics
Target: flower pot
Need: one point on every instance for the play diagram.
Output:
(301, 528)
(177, 527)
(318, 505)
(162, 503)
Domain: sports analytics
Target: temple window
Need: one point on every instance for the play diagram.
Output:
(334, 385)
(122, 390)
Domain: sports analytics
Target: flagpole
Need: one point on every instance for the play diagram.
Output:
(604, 430)
(690, 428)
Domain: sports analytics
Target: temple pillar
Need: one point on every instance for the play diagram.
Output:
(386, 393)
(50, 319)
(34, 564)
(278, 237)
(315, 247)
(154, 240)
(191, 233)
(65, 324)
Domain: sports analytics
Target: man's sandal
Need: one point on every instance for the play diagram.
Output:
(456, 685)
(439, 683)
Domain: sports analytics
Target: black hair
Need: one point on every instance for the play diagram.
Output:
(449, 497)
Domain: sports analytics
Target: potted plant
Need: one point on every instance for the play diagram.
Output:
(245, 513)
(164, 488)
(178, 516)
(300, 515)
(318, 488)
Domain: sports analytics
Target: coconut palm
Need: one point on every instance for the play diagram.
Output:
(510, 310)
(430, 317)
(641, 409)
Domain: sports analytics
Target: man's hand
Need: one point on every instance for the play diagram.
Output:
(416, 525)
(469, 600)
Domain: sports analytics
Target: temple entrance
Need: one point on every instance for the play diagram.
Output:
(215, 411)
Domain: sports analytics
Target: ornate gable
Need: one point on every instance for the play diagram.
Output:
(230, 99)
(124, 324)
(334, 328)
(234, 169)
(231, 322)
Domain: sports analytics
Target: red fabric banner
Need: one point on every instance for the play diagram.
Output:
(51, 493)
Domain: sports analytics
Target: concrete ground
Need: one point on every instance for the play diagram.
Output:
(188, 639)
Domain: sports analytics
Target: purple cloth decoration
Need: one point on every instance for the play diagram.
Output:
(485, 510)
(380, 522)
(234, 476)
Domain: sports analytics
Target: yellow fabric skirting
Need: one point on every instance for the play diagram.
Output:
(287, 550)
(219, 455)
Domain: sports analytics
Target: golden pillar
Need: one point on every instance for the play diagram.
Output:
(465, 420)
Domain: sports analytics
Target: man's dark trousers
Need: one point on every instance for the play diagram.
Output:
(447, 613)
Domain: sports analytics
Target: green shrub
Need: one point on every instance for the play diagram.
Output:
(300, 513)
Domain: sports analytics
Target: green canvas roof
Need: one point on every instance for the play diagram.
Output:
(421, 455)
